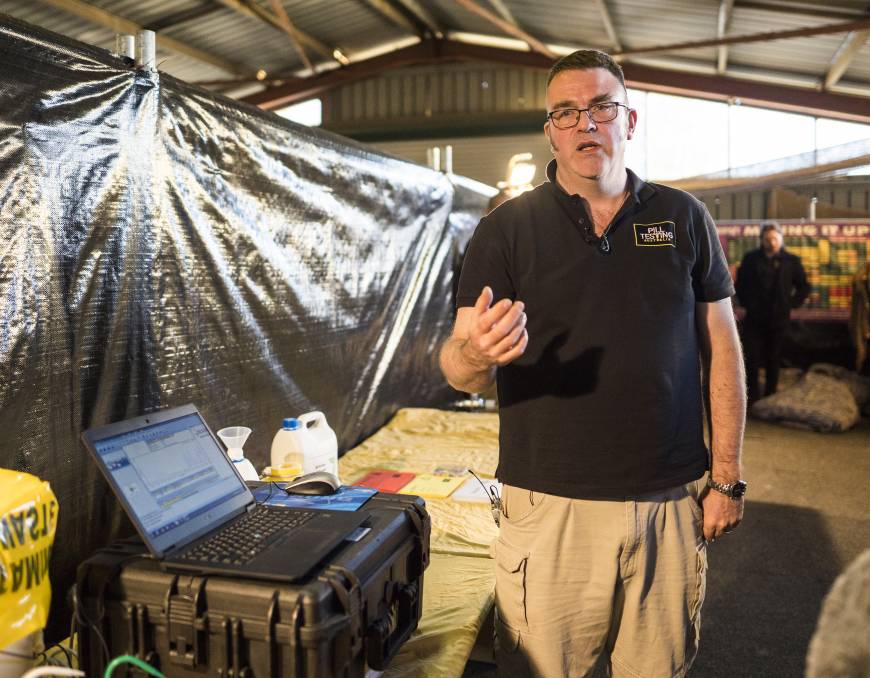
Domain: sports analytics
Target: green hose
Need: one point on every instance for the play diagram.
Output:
(130, 659)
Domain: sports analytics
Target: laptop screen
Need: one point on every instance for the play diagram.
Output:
(175, 478)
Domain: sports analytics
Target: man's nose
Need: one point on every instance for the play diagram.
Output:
(590, 123)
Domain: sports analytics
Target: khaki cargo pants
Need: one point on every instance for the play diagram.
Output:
(576, 579)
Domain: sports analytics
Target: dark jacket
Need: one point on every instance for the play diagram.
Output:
(788, 287)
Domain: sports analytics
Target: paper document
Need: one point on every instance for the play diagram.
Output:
(432, 486)
(473, 491)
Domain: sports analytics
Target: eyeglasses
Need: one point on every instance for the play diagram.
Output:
(566, 118)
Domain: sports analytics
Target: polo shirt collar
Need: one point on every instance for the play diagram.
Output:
(639, 189)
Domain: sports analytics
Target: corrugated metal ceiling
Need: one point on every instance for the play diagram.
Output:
(356, 27)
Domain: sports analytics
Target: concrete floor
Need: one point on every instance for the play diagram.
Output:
(807, 517)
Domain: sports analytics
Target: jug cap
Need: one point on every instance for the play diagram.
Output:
(291, 424)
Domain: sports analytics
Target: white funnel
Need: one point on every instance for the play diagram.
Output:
(234, 438)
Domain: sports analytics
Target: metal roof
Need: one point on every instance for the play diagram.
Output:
(222, 42)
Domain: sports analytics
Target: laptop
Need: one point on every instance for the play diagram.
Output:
(194, 511)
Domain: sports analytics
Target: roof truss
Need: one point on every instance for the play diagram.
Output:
(432, 51)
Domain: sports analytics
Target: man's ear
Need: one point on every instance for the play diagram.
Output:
(632, 123)
(549, 139)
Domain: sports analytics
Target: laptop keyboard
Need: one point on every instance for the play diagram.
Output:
(248, 536)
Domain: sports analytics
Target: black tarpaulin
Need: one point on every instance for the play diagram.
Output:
(160, 245)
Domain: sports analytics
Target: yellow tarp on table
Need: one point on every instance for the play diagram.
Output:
(458, 585)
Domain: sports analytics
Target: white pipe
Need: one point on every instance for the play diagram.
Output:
(433, 157)
(448, 159)
(146, 50)
(125, 45)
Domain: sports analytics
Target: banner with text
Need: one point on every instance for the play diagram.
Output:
(831, 254)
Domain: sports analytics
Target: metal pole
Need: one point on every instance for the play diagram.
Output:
(125, 45)
(146, 50)
(811, 211)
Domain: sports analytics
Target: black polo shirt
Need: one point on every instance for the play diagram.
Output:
(606, 400)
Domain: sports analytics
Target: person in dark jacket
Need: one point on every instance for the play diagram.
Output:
(770, 282)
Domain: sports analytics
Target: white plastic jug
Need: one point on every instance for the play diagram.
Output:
(325, 454)
(307, 441)
(291, 444)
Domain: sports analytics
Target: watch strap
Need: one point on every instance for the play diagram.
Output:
(733, 490)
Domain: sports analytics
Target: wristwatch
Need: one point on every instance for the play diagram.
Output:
(735, 490)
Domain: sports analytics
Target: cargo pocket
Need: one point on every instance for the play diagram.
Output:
(519, 504)
(510, 587)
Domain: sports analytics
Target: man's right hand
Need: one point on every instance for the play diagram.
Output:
(497, 332)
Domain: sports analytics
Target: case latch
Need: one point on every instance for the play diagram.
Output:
(187, 644)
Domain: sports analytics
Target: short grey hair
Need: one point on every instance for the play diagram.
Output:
(584, 60)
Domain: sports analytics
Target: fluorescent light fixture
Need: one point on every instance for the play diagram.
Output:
(340, 57)
(488, 40)
(508, 43)
(383, 48)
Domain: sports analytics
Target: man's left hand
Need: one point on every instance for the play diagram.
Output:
(721, 514)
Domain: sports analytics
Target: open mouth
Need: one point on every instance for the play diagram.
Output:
(587, 146)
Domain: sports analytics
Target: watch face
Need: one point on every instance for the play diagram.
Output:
(739, 489)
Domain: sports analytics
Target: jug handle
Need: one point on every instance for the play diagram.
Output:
(312, 419)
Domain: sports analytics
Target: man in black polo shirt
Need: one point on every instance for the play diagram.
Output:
(594, 300)
(770, 282)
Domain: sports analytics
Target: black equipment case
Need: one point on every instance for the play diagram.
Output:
(353, 613)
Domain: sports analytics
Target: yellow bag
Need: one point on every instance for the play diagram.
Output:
(28, 520)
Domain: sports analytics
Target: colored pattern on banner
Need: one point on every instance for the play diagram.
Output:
(28, 520)
(831, 254)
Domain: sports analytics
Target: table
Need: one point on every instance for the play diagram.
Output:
(458, 587)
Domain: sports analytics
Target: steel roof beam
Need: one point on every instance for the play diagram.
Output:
(749, 92)
(288, 27)
(119, 24)
(502, 9)
(421, 14)
(844, 56)
(722, 24)
(510, 28)
(785, 7)
(768, 95)
(172, 20)
(702, 186)
(387, 10)
(299, 89)
(255, 11)
(767, 36)
(607, 20)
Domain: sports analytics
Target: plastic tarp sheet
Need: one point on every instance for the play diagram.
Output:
(458, 587)
(162, 245)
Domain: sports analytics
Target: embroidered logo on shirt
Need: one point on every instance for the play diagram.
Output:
(659, 234)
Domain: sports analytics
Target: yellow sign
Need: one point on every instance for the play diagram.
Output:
(28, 520)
